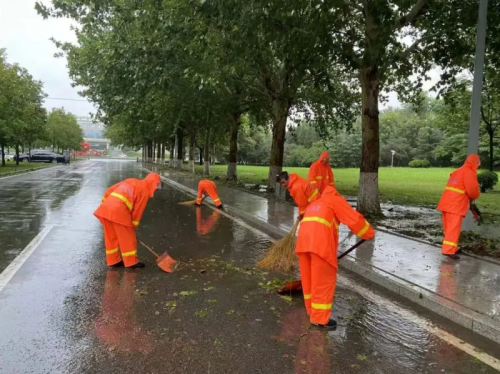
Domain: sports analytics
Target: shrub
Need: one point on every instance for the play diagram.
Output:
(487, 179)
(419, 164)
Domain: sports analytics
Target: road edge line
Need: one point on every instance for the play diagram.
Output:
(21, 258)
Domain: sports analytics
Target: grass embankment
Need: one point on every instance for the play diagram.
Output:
(23, 166)
(405, 186)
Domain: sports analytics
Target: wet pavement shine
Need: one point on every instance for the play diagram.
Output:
(64, 311)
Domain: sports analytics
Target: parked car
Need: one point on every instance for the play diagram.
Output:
(9, 157)
(42, 156)
(23, 157)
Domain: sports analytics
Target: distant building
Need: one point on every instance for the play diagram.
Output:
(93, 134)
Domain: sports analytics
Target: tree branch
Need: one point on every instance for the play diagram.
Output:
(484, 117)
(354, 4)
(414, 46)
(411, 15)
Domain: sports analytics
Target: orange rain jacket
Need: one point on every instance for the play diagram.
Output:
(320, 174)
(302, 192)
(319, 229)
(124, 202)
(462, 187)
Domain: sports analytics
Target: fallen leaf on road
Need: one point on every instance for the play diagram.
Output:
(187, 293)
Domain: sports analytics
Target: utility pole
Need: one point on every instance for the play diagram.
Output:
(477, 90)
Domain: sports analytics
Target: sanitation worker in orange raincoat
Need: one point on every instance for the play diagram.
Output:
(317, 245)
(460, 191)
(120, 212)
(320, 172)
(302, 192)
(207, 187)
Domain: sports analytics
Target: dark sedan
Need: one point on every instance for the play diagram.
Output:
(42, 156)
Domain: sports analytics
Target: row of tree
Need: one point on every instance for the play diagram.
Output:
(175, 69)
(24, 122)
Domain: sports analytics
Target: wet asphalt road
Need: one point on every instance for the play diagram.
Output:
(65, 312)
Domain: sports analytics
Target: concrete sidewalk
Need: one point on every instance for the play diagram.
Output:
(466, 292)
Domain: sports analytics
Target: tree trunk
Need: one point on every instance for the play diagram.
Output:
(206, 169)
(158, 154)
(171, 157)
(201, 149)
(192, 146)
(492, 159)
(143, 157)
(150, 152)
(368, 194)
(280, 115)
(3, 154)
(233, 148)
(17, 155)
(163, 154)
(29, 153)
(180, 137)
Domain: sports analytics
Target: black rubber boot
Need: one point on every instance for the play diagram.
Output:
(458, 252)
(453, 257)
(137, 266)
(117, 265)
(221, 207)
(331, 325)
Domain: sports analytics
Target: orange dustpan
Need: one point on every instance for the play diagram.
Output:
(164, 261)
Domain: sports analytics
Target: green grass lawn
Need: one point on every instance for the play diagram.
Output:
(406, 186)
(11, 166)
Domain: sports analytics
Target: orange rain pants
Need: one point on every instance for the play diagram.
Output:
(209, 188)
(119, 239)
(452, 225)
(318, 284)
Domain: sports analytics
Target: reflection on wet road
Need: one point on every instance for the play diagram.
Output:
(64, 311)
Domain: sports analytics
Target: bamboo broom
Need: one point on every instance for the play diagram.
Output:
(191, 202)
(281, 255)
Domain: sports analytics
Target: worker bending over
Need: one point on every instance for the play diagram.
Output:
(320, 172)
(120, 212)
(460, 192)
(208, 188)
(302, 192)
(317, 245)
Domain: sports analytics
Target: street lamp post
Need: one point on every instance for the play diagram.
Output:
(392, 158)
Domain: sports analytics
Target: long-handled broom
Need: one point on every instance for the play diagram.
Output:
(191, 202)
(281, 256)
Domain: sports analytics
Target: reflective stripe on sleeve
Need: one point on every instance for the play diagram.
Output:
(458, 190)
(135, 223)
(364, 229)
(123, 198)
(312, 195)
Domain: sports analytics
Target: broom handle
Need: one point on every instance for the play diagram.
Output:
(149, 249)
(351, 249)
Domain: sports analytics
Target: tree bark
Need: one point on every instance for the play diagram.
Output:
(491, 133)
(192, 146)
(17, 155)
(206, 169)
(368, 193)
(158, 154)
(201, 149)
(150, 152)
(280, 115)
(233, 147)
(180, 137)
(171, 157)
(163, 154)
(3, 154)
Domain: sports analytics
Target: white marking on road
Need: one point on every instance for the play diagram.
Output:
(16, 264)
(413, 317)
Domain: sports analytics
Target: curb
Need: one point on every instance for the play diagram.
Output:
(470, 319)
(26, 171)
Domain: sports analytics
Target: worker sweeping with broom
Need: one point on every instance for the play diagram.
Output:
(208, 188)
(120, 212)
(460, 192)
(317, 245)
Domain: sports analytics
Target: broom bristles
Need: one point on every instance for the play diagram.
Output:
(281, 255)
(190, 202)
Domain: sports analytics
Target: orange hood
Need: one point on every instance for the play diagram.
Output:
(329, 193)
(472, 161)
(323, 155)
(292, 178)
(153, 181)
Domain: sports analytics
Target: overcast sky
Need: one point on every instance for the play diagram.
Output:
(26, 36)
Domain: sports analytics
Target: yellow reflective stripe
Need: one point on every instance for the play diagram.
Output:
(122, 198)
(103, 198)
(111, 251)
(131, 253)
(332, 184)
(216, 200)
(312, 195)
(364, 230)
(450, 243)
(312, 182)
(319, 177)
(321, 306)
(135, 223)
(317, 219)
(199, 199)
(336, 224)
(302, 211)
(455, 190)
(307, 297)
